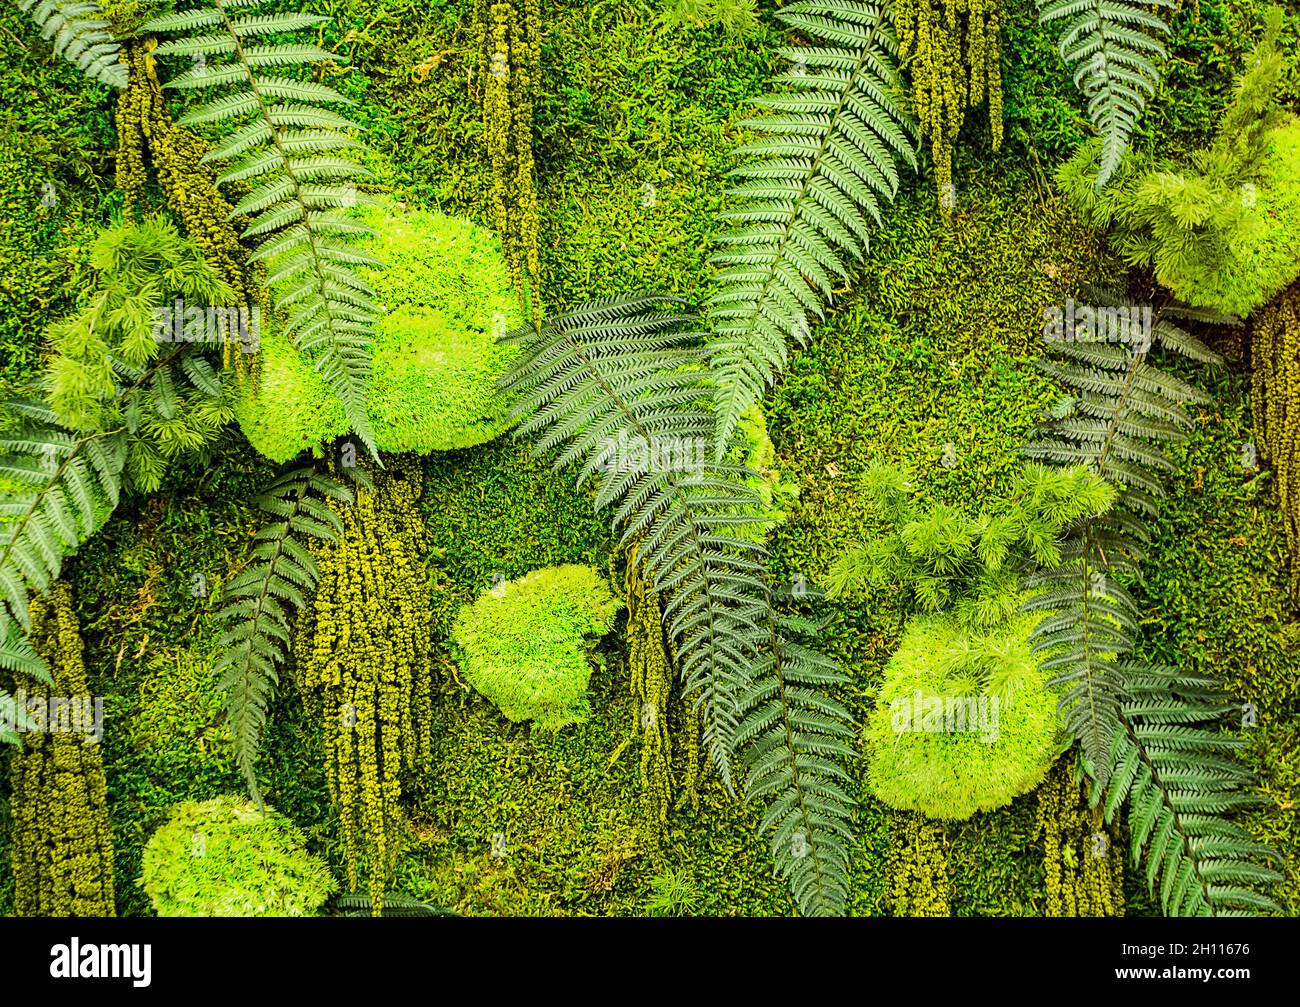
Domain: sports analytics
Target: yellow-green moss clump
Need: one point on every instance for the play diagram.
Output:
(650, 675)
(523, 643)
(436, 361)
(754, 449)
(63, 849)
(1275, 402)
(944, 740)
(919, 884)
(227, 857)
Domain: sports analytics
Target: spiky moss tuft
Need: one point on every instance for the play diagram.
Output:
(523, 643)
(436, 358)
(1263, 258)
(1243, 250)
(930, 751)
(227, 857)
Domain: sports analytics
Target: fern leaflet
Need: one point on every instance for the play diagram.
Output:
(1116, 62)
(258, 604)
(302, 190)
(812, 187)
(66, 484)
(82, 35)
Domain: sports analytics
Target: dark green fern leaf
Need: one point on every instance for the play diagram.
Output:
(1177, 775)
(795, 734)
(1125, 413)
(612, 386)
(814, 186)
(1116, 62)
(259, 603)
(60, 486)
(286, 147)
(1141, 728)
(395, 904)
(82, 35)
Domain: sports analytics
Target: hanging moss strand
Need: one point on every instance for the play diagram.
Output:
(953, 51)
(1275, 402)
(62, 854)
(510, 68)
(1082, 864)
(651, 683)
(919, 884)
(363, 646)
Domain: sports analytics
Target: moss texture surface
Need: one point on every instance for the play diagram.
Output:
(931, 351)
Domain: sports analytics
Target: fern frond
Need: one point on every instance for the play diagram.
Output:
(817, 181)
(1111, 46)
(396, 904)
(794, 735)
(82, 35)
(65, 486)
(1139, 727)
(258, 604)
(283, 135)
(1129, 411)
(1179, 780)
(613, 387)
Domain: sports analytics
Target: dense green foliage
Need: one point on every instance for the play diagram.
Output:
(525, 643)
(1115, 50)
(227, 857)
(922, 358)
(1221, 231)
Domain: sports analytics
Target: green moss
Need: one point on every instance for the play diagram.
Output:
(179, 728)
(1230, 248)
(939, 743)
(524, 643)
(436, 357)
(932, 346)
(754, 449)
(227, 857)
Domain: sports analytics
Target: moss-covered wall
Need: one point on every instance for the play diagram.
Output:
(929, 358)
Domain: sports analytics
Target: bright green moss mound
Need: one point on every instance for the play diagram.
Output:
(940, 744)
(224, 857)
(524, 643)
(1222, 246)
(436, 353)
